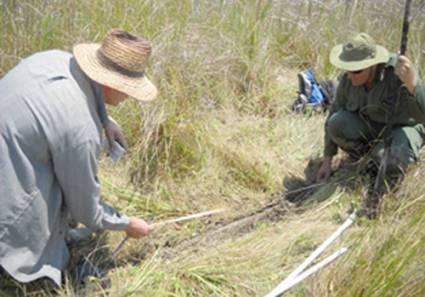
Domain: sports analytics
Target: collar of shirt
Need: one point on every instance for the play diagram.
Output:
(383, 67)
(100, 101)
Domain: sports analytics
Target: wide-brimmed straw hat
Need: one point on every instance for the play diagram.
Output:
(119, 62)
(359, 52)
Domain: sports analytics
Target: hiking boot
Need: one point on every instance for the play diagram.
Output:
(82, 275)
(77, 235)
(371, 202)
(368, 210)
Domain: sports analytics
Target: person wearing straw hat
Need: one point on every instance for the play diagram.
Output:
(358, 115)
(50, 138)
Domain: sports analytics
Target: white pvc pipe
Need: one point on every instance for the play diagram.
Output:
(318, 251)
(281, 289)
(188, 217)
(323, 246)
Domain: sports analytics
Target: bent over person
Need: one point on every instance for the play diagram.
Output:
(362, 105)
(50, 138)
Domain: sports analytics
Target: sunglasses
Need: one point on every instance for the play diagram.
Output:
(356, 72)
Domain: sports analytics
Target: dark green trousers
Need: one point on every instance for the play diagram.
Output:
(357, 136)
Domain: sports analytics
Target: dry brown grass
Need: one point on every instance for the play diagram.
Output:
(221, 135)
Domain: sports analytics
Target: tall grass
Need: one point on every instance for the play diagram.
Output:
(221, 134)
(207, 55)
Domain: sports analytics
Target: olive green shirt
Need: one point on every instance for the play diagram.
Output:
(374, 105)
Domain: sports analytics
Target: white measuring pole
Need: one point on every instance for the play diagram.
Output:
(316, 253)
(181, 219)
(292, 282)
(188, 217)
(323, 247)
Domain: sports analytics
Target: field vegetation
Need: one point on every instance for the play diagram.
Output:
(222, 135)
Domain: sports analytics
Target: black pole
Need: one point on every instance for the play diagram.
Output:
(405, 31)
(374, 197)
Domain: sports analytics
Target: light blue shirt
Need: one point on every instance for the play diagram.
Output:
(50, 138)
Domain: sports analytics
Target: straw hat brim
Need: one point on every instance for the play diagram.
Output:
(139, 88)
(382, 56)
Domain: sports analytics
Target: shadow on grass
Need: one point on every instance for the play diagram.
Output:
(305, 190)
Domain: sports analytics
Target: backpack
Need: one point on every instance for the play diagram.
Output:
(312, 94)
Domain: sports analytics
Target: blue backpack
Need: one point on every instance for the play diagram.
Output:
(312, 94)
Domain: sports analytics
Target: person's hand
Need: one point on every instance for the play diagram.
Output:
(114, 133)
(324, 170)
(406, 73)
(138, 228)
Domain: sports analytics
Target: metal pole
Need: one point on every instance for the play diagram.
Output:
(373, 200)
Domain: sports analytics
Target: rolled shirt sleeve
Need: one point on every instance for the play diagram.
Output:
(76, 169)
(331, 148)
(100, 102)
(416, 102)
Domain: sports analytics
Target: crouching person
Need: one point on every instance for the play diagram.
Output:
(362, 106)
(50, 138)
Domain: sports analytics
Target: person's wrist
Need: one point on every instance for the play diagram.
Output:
(327, 159)
(130, 223)
(106, 122)
(411, 87)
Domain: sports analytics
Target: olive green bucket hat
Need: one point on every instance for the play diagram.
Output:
(359, 52)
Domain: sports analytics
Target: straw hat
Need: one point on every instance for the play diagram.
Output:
(118, 63)
(358, 53)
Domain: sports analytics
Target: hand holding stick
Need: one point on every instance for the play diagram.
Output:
(176, 220)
